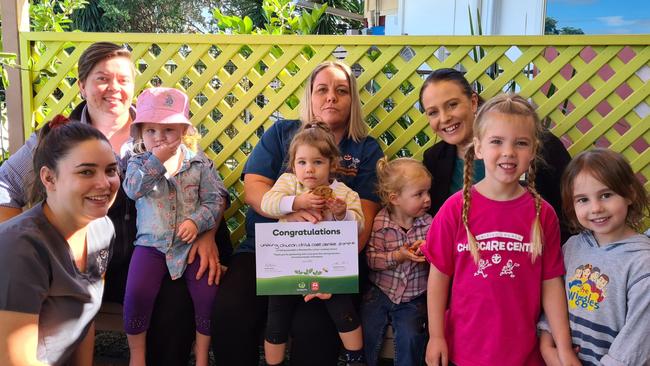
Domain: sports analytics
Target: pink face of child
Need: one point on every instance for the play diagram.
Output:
(414, 199)
(311, 168)
(600, 209)
(156, 134)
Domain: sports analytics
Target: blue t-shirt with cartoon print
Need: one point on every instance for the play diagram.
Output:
(269, 159)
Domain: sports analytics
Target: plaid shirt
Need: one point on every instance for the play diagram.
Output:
(401, 282)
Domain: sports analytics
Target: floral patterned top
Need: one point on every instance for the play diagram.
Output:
(196, 192)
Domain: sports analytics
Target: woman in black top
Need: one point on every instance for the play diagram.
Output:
(450, 104)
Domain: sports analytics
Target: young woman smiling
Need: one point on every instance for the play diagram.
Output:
(54, 256)
(450, 104)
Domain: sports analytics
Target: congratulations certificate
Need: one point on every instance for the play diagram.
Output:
(303, 258)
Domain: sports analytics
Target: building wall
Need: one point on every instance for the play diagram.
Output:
(450, 17)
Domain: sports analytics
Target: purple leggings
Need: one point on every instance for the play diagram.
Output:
(146, 272)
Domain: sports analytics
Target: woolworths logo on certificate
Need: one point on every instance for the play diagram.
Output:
(303, 258)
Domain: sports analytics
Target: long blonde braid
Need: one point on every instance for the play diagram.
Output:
(536, 236)
(468, 177)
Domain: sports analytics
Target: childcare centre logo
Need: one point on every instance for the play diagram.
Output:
(587, 287)
(348, 165)
(502, 243)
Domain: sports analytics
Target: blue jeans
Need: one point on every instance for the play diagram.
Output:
(409, 321)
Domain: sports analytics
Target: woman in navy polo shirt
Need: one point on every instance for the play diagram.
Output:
(331, 96)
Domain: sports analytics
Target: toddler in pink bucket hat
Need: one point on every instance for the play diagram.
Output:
(178, 194)
(164, 106)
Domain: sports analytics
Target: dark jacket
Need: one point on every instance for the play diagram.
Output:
(439, 160)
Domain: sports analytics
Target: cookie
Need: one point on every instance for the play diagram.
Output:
(413, 248)
(323, 191)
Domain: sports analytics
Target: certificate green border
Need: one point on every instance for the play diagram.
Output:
(300, 285)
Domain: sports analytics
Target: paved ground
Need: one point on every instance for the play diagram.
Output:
(111, 349)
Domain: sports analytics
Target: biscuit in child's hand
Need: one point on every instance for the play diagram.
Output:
(323, 191)
(413, 248)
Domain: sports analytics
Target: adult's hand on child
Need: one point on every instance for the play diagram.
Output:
(312, 216)
(165, 150)
(437, 353)
(319, 295)
(206, 248)
(309, 201)
(338, 207)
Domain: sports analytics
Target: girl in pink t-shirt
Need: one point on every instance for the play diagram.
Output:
(499, 241)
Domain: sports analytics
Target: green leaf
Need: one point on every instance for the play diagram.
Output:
(8, 56)
(5, 77)
(471, 23)
(248, 25)
(47, 72)
(309, 22)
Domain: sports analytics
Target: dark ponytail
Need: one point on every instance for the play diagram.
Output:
(453, 75)
(55, 139)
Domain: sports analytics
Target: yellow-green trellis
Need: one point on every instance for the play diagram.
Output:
(592, 90)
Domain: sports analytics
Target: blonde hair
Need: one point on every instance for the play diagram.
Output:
(318, 136)
(190, 139)
(511, 104)
(394, 175)
(357, 128)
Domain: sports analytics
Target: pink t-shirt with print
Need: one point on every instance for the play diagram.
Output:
(495, 305)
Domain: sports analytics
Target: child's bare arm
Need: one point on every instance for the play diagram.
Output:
(437, 293)
(548, 349)
(555, 308)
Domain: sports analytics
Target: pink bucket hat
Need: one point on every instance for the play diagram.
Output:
(161, 105)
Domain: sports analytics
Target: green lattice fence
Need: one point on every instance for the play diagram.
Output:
(593, 90)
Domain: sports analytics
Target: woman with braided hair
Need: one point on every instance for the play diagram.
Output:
(500, 241)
